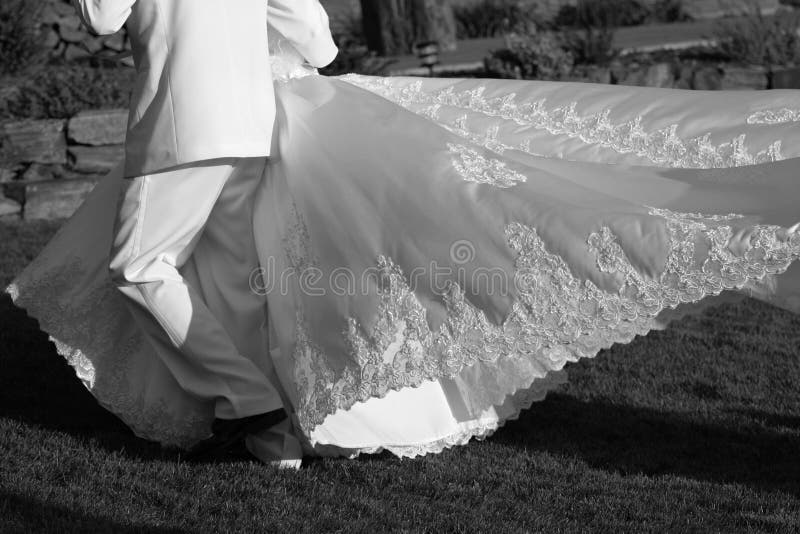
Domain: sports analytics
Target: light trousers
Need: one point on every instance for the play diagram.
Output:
(202, 317)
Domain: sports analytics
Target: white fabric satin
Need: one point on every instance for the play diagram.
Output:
(592, 201)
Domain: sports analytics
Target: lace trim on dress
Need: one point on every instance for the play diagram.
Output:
(475, 168)
(82, 331)
(662, 147)
(479, 429)
(556, 319)
(774, 116)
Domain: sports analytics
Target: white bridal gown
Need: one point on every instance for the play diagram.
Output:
(435, 251)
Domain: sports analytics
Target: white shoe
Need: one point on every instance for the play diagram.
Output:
(276, 446)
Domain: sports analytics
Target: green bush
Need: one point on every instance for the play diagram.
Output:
(21, 43)
(348, 33)
(355, 57)
(535, 56)
(615, 13)
(759, 39)
(669, 11)
(61, 90)
(590, 46)
(488, 18)
(602, 14)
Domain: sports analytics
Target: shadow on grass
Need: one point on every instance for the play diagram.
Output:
(28, 515)
(754, 448)
(37, 387)
(634, 440)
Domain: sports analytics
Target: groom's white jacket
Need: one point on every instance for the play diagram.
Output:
(204, 84)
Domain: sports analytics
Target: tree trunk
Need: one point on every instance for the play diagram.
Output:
(393, 27)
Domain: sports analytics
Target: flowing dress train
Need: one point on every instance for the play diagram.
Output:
(434, 251)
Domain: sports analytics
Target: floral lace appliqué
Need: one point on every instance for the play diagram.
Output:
(662, 147)
(556, 317)
(774, 116)
(474, 167)
(86, 331)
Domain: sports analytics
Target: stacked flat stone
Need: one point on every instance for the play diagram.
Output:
(52, 165)
(67, 38)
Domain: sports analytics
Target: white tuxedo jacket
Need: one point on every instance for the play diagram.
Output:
(204, 85)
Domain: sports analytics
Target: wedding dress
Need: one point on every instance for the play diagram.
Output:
(435, 251)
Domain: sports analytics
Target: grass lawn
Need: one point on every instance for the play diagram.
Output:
(694, 429)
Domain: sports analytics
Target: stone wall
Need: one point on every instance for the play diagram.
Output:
(49, 166)
(66, 37)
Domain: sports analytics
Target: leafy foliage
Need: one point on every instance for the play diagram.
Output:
(21, 43)
(348, 33)
(669, 11)
(61, 90)
(540, 55)
(590, 45)
(489, 18)
(614, 13)
(759, 39)
(601, 14)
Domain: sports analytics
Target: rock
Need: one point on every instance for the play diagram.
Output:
(7, 175)
(36, 141)
(70, 21)
(102, 127)
(63, 9)
(753, 77)
(45, 173)
(685, 75)
(635, 76)
(92, 159)
(597, 74)
(617, 71)
(51, 38)
(115, 42)
(659, 75)
(9, 207)
(37, 172)
(71, 35)
(73, 52)
(785, 78)
(58, 51)
(92, 44)
(707, 79)
(48, 14)
(55, 199)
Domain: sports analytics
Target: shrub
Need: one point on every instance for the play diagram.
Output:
(668, 11)
(590, 24)
(488, 18)
(21, 43)
(602, 14)
(758, 39)
(61, 90)
(614, 13)
(590, 46)
(348, 33)
(535, 56)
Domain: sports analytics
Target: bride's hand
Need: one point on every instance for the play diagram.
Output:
(286, 61)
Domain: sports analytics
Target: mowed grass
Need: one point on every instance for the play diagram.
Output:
(694, 429)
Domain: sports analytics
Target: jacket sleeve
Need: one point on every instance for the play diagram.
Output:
(104, 16)
(304, 23)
